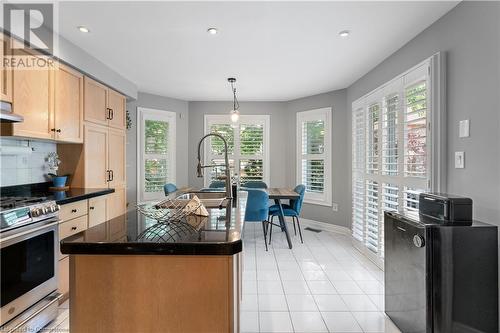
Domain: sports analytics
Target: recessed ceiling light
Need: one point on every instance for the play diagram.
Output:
(83, 29)
(344, 33)
(212, 31)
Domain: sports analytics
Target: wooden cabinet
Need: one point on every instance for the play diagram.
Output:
(33, 99)
(63, 277)
(103, 105)
(116, 107)
(95, 102)
(95, 156)
(117, 203)
(97, 210)
(5, 72)
(68, 109)
(116, 157)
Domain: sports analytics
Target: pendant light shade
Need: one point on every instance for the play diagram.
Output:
(235, 114)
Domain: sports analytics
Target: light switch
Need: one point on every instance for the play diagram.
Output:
(463, 128)
(459, 160)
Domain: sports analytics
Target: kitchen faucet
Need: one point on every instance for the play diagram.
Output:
(200, 167)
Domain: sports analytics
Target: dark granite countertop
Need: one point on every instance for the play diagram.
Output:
(61, 197)
(134, 233)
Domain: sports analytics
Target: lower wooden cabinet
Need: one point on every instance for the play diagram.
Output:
(117, 203)
(63, 277)
(97, 210)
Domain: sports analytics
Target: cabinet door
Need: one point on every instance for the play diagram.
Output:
(5, 73)
(95, 102)
(63, 276)
(96, 156)
(116, 105)
(117, 202)
(116, 157)
(33, 99)
(97, 210)
(68, 106)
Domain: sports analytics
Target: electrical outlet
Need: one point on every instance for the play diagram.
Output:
(335, 207)
(459, 160)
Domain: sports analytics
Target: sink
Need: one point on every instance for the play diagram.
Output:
(208, 199)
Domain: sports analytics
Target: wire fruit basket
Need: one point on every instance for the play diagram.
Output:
(177, 219)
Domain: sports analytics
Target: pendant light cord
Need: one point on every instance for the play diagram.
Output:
(236, 104)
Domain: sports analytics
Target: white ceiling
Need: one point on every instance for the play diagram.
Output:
(276, 50)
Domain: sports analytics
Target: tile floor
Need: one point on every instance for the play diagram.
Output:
(323, 285)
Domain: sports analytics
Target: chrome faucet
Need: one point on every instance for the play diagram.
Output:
(200, 167)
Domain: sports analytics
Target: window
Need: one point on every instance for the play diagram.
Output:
(313, 155)
(155, 152)
(248, 148)
(391, 151)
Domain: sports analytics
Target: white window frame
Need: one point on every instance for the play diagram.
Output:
(325, 114)
(433, 69)
(211, 119)
(144, 114)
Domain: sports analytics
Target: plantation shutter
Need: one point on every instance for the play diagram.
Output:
(247, 148)
(313, 151)
(391, 154)
(358, 167)
(156, 153)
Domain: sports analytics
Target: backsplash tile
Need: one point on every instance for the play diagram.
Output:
(19, 169)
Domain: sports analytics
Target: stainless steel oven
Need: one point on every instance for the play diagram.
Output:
(29, 259)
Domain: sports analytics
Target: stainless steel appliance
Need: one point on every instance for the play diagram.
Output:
(29, 250)
(6, 114)
(441, 275)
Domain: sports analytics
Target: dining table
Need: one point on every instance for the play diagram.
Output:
(278, 194)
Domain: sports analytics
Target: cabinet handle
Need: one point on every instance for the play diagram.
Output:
(112, 114)
(73, 210)
(58, 130)
(112, 174)
(73, 228)
(108, 115)
(91, 207)
(109, 175)
(52, 129)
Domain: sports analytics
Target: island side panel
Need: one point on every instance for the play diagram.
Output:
(152, 293)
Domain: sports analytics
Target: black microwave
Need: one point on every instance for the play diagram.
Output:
(445, 207)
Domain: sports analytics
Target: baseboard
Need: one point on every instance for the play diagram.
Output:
(325, 226)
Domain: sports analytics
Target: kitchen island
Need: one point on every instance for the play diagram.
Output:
(131, 274)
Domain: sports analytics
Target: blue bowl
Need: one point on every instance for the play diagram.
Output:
(59, 181)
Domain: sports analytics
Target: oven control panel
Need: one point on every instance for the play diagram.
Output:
(19, 216)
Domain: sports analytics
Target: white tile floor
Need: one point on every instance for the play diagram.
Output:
(323, 285)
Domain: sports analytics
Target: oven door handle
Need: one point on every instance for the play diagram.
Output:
(27, 232)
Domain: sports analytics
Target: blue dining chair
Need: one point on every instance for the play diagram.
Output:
(257, 209)
(217, 184)
(292, 210)
(254, 184)
(169, 188)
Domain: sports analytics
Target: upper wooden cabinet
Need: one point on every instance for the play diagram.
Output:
(103, 105)
(68, 115)
(34, 100)
(5, 73)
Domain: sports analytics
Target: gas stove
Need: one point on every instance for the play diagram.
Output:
(20, 211)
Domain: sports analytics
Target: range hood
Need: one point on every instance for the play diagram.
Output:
(6, 114)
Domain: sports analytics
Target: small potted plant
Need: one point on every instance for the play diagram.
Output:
(53, 162)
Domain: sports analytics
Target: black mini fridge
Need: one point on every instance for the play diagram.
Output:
(440, 276)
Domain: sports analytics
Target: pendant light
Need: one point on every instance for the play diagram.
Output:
(235, 114)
